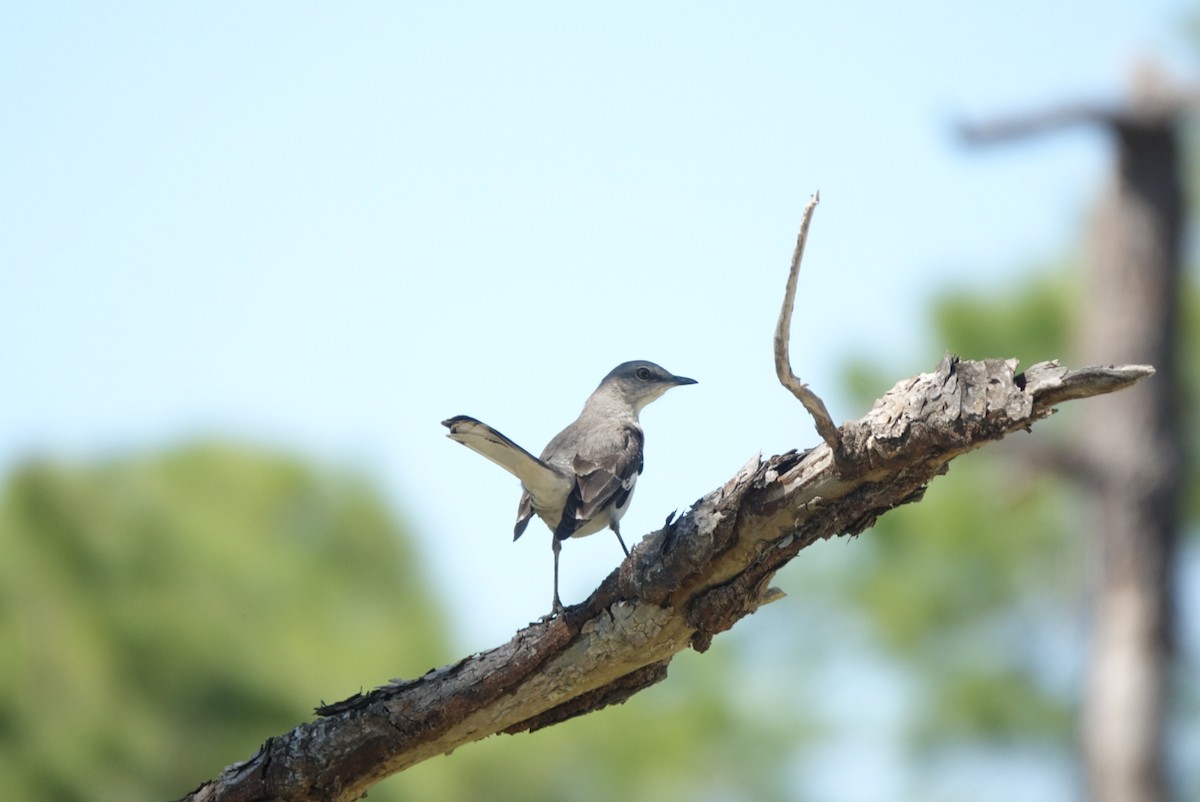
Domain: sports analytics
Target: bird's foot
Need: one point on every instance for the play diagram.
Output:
(557, 611)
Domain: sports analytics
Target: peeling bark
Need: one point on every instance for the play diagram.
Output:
(682, 585)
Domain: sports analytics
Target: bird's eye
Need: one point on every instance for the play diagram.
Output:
(643, 374)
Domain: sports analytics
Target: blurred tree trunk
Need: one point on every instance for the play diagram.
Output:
(1133, 314)
(1133, 443)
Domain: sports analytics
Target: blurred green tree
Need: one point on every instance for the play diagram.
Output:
(160, 617)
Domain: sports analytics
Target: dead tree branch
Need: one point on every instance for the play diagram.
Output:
(683, 584)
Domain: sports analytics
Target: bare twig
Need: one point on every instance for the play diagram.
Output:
(783, 332)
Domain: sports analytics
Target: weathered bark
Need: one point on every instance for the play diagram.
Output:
(1132, 448)
(683, 584)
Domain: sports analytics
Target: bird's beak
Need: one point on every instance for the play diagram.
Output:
(681, 380)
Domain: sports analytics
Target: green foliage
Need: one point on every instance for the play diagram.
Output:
(162, 617)
(1033, 323)
(969, 588)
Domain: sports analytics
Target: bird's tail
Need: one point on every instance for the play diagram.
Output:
(540, 479)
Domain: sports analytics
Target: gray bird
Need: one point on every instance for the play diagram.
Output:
(584, 479)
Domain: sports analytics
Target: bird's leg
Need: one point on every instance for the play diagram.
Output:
(621, 540)
(557, 546)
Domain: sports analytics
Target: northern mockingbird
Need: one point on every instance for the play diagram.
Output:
(584, 479)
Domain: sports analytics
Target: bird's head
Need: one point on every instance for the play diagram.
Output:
(639, 382)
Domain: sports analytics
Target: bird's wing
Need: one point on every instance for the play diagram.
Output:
(602, 483)
(524, 514)
(546, 484)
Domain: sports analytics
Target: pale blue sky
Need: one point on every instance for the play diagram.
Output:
(332, 226)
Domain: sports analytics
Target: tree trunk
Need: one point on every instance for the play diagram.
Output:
(1134, 447)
